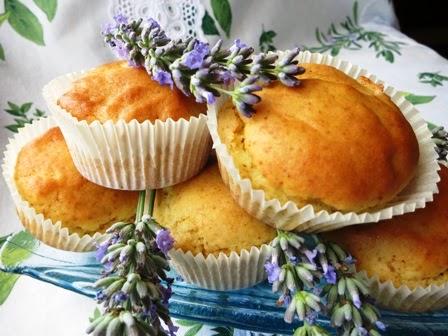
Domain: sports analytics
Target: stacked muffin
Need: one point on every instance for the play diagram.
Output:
(125, 131)
(340, 149)
(406, 258)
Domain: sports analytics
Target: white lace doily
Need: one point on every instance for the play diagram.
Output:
(179, 18)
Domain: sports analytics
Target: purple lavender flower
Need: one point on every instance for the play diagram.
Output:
(202, 48)
(350, 260)
(108, 266)
(166, 293)
(172, 329)
(152, 23)
(100, 296)
(108, 28)
(292, 259)
(356, 300)
(380, 325)
(226, 77)
(273, 271)
(311, 317)
(330, 275)
(362, 331)
(101, 250)
(164, 241)
(120, 297)
(285, 298)
(311, 255)
(238, 44)
(195, 58)
(120, 50)
(163, 77)
(203, 95)
(121, 19)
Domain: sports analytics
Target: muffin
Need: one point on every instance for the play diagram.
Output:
(126, 131)
(315, 143)
(217, 244)
(410, 251)
(328, 150)
(54, 201)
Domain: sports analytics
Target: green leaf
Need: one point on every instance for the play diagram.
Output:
(2, 53)
(223, 331)
(24, 22)
(417, 100)
(20, 122)
(223, 14)
(7, 281)
(194, 330)
(355, 12)
(25, 107)
(335, 50)
(14, 112)
(388, 56)
(39, 113)
(48, 7)
(18, 248)
(3, 17)
(186, 323)
(267, 37)
(13, 106)
(13, 128)
(208, 25)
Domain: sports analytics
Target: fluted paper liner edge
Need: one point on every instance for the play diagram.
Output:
(222, 272)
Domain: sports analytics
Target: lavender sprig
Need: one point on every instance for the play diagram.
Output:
(320, 277)
(440, 137)
(197, 69)
(134, 289)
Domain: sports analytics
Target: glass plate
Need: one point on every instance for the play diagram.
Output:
(251, 309)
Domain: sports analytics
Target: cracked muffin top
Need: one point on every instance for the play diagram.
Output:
(334, 142)
(203, 217)
(46, 177)
(411, 249)
(116, 91)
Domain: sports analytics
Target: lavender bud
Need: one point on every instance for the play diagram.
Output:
(289, 313)
(250, 99)
(300, 309)
(341, 286)
(216, 48)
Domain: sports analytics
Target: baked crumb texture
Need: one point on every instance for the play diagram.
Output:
(116, 91)
(204, 218)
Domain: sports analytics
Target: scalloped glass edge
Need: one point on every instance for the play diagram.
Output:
(253, 309)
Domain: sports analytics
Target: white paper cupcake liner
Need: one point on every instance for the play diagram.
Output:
(225, 272)
(42, 228)
(405, 299)
(131, 155)
(288, 216)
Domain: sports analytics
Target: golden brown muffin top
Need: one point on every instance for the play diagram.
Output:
(204, 218)
(411, 249)
(333, 142)
(46, 177)
(116, 91)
